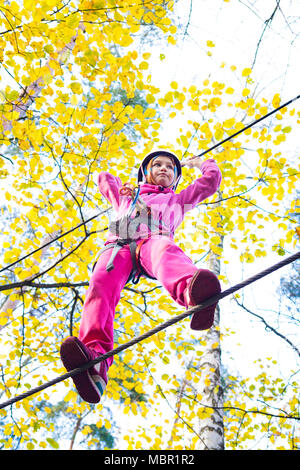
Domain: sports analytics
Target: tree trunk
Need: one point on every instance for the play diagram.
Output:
(210, 425)
(31, 92)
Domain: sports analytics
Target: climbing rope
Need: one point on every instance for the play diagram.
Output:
(155, 330)
(55, 239)
(248, 126)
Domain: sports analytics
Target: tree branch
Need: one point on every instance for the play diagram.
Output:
(268, 327)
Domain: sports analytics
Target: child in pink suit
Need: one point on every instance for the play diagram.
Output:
(157, 256)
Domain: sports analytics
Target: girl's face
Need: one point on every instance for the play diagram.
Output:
(162, 171)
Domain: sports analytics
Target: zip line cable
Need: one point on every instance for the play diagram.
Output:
(170, 322)
(155, 330)
(56, 238)
(248, 126)
(200, 155)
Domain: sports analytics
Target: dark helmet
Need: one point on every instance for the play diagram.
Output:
(143, 168)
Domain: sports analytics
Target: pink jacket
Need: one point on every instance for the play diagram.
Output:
(166, 205)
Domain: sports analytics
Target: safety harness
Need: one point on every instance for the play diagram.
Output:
(127, 229)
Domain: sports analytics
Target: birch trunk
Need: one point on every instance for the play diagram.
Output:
(31, 92)
(208, 392)
(210, 426)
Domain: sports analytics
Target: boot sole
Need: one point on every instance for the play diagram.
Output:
(204, 285)
(73, 356)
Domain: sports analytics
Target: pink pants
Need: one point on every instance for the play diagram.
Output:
(159, 257)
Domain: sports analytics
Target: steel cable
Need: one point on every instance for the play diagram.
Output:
(155, 330)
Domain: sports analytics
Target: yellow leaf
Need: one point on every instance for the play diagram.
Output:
(150, 99)
(144, 65)
(71, 396)
(171, 40)
(230, 90)
(76, 87)
(276, 100)
(86, 430)
(246, 72)
(107, 424)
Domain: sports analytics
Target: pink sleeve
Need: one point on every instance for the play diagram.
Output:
(203, 187)
(109, 186)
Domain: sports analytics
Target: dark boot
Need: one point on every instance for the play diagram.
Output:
(203, 285)
(90, 383)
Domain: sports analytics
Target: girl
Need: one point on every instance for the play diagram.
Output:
(141, 242)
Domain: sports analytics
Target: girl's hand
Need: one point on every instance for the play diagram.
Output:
(193, 162)
(126, 190)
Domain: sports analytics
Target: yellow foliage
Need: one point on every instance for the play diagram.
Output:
(90, 109)
(246, 72)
